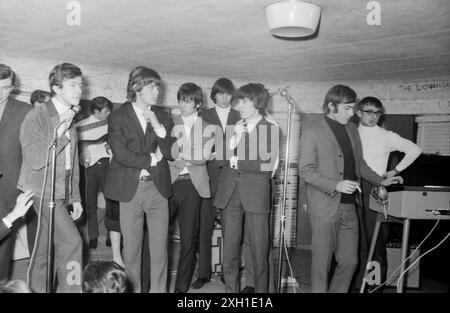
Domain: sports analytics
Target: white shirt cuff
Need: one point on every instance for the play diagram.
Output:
(7, 223)
(160, 131)
(153, 161)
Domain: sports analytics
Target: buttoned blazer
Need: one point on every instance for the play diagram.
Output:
(10, 149)
(321, 165)
(131, 149)
(201, 142)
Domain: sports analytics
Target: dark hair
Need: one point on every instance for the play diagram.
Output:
(338, 94)
(7, 72)
(370, 101)
(190, 91)
(104, 277)
(99, 103)
(257, 93)
(62, 72)
(39, 96)
(138, 78)
(222, 85)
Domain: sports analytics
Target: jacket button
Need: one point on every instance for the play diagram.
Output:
(340, 155)
(340, 173)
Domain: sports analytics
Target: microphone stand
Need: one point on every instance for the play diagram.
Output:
(51, 206)
(291, 108)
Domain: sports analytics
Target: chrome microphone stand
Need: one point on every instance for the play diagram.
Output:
(291, 109)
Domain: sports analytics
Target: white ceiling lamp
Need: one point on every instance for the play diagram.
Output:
(293, 18)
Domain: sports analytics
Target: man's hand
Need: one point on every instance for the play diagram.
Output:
(392, 181)
(77, 210)
(240, 127)
(347, 186)
(390, 174)
(150, 117)
(23, 203)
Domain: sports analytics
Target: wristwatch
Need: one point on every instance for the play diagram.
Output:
(396, 172)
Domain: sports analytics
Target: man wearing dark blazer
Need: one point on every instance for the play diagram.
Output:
(195, 139)
(332, 165)
(245, 190)
(221, 115)
(139, 177)
(12, 113)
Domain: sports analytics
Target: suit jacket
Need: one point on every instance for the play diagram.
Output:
(254, 175)
(10, 150)
(36, 134)
(4, 230)
(201, 142)
(131, 150)
(215, 166)
(321, 165)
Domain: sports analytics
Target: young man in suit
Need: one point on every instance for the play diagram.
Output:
(36, 135)
(189, 174)
(221, 115)
(332, 166)
(12, 113)
(139, 177)
(244, 187)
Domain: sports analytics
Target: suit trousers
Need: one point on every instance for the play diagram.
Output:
(256, 225)
(206, 228)
(367, 220)
(92, 181)
(334, 236)
(149, 203)
(68, 250)
(6, 251)
(186, 204)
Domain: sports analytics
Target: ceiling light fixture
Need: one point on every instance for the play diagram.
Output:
(292, 18)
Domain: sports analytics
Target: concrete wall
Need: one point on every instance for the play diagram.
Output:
(416, 96)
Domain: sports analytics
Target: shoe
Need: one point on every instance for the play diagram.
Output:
(178, 291)
(222, 279)
(248, 289)
(93, 244)
(108, 242)
(200, 282)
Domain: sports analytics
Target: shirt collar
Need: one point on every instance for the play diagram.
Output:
(60, 108)
(222, 110)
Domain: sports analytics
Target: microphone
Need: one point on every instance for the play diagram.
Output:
(381, 195)
(75, 108)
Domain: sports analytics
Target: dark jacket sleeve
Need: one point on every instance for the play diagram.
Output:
(34, 139)
(4, 230)
(165, 144)
(120, 150)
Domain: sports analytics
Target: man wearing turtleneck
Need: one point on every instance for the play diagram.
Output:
(332, 166)
(221, 115)
(377, 144)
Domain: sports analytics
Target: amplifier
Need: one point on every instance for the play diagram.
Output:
(394, 257)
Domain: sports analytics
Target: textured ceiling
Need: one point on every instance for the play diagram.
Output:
(214, 38)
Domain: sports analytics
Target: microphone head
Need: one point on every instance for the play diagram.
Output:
(76, 108)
